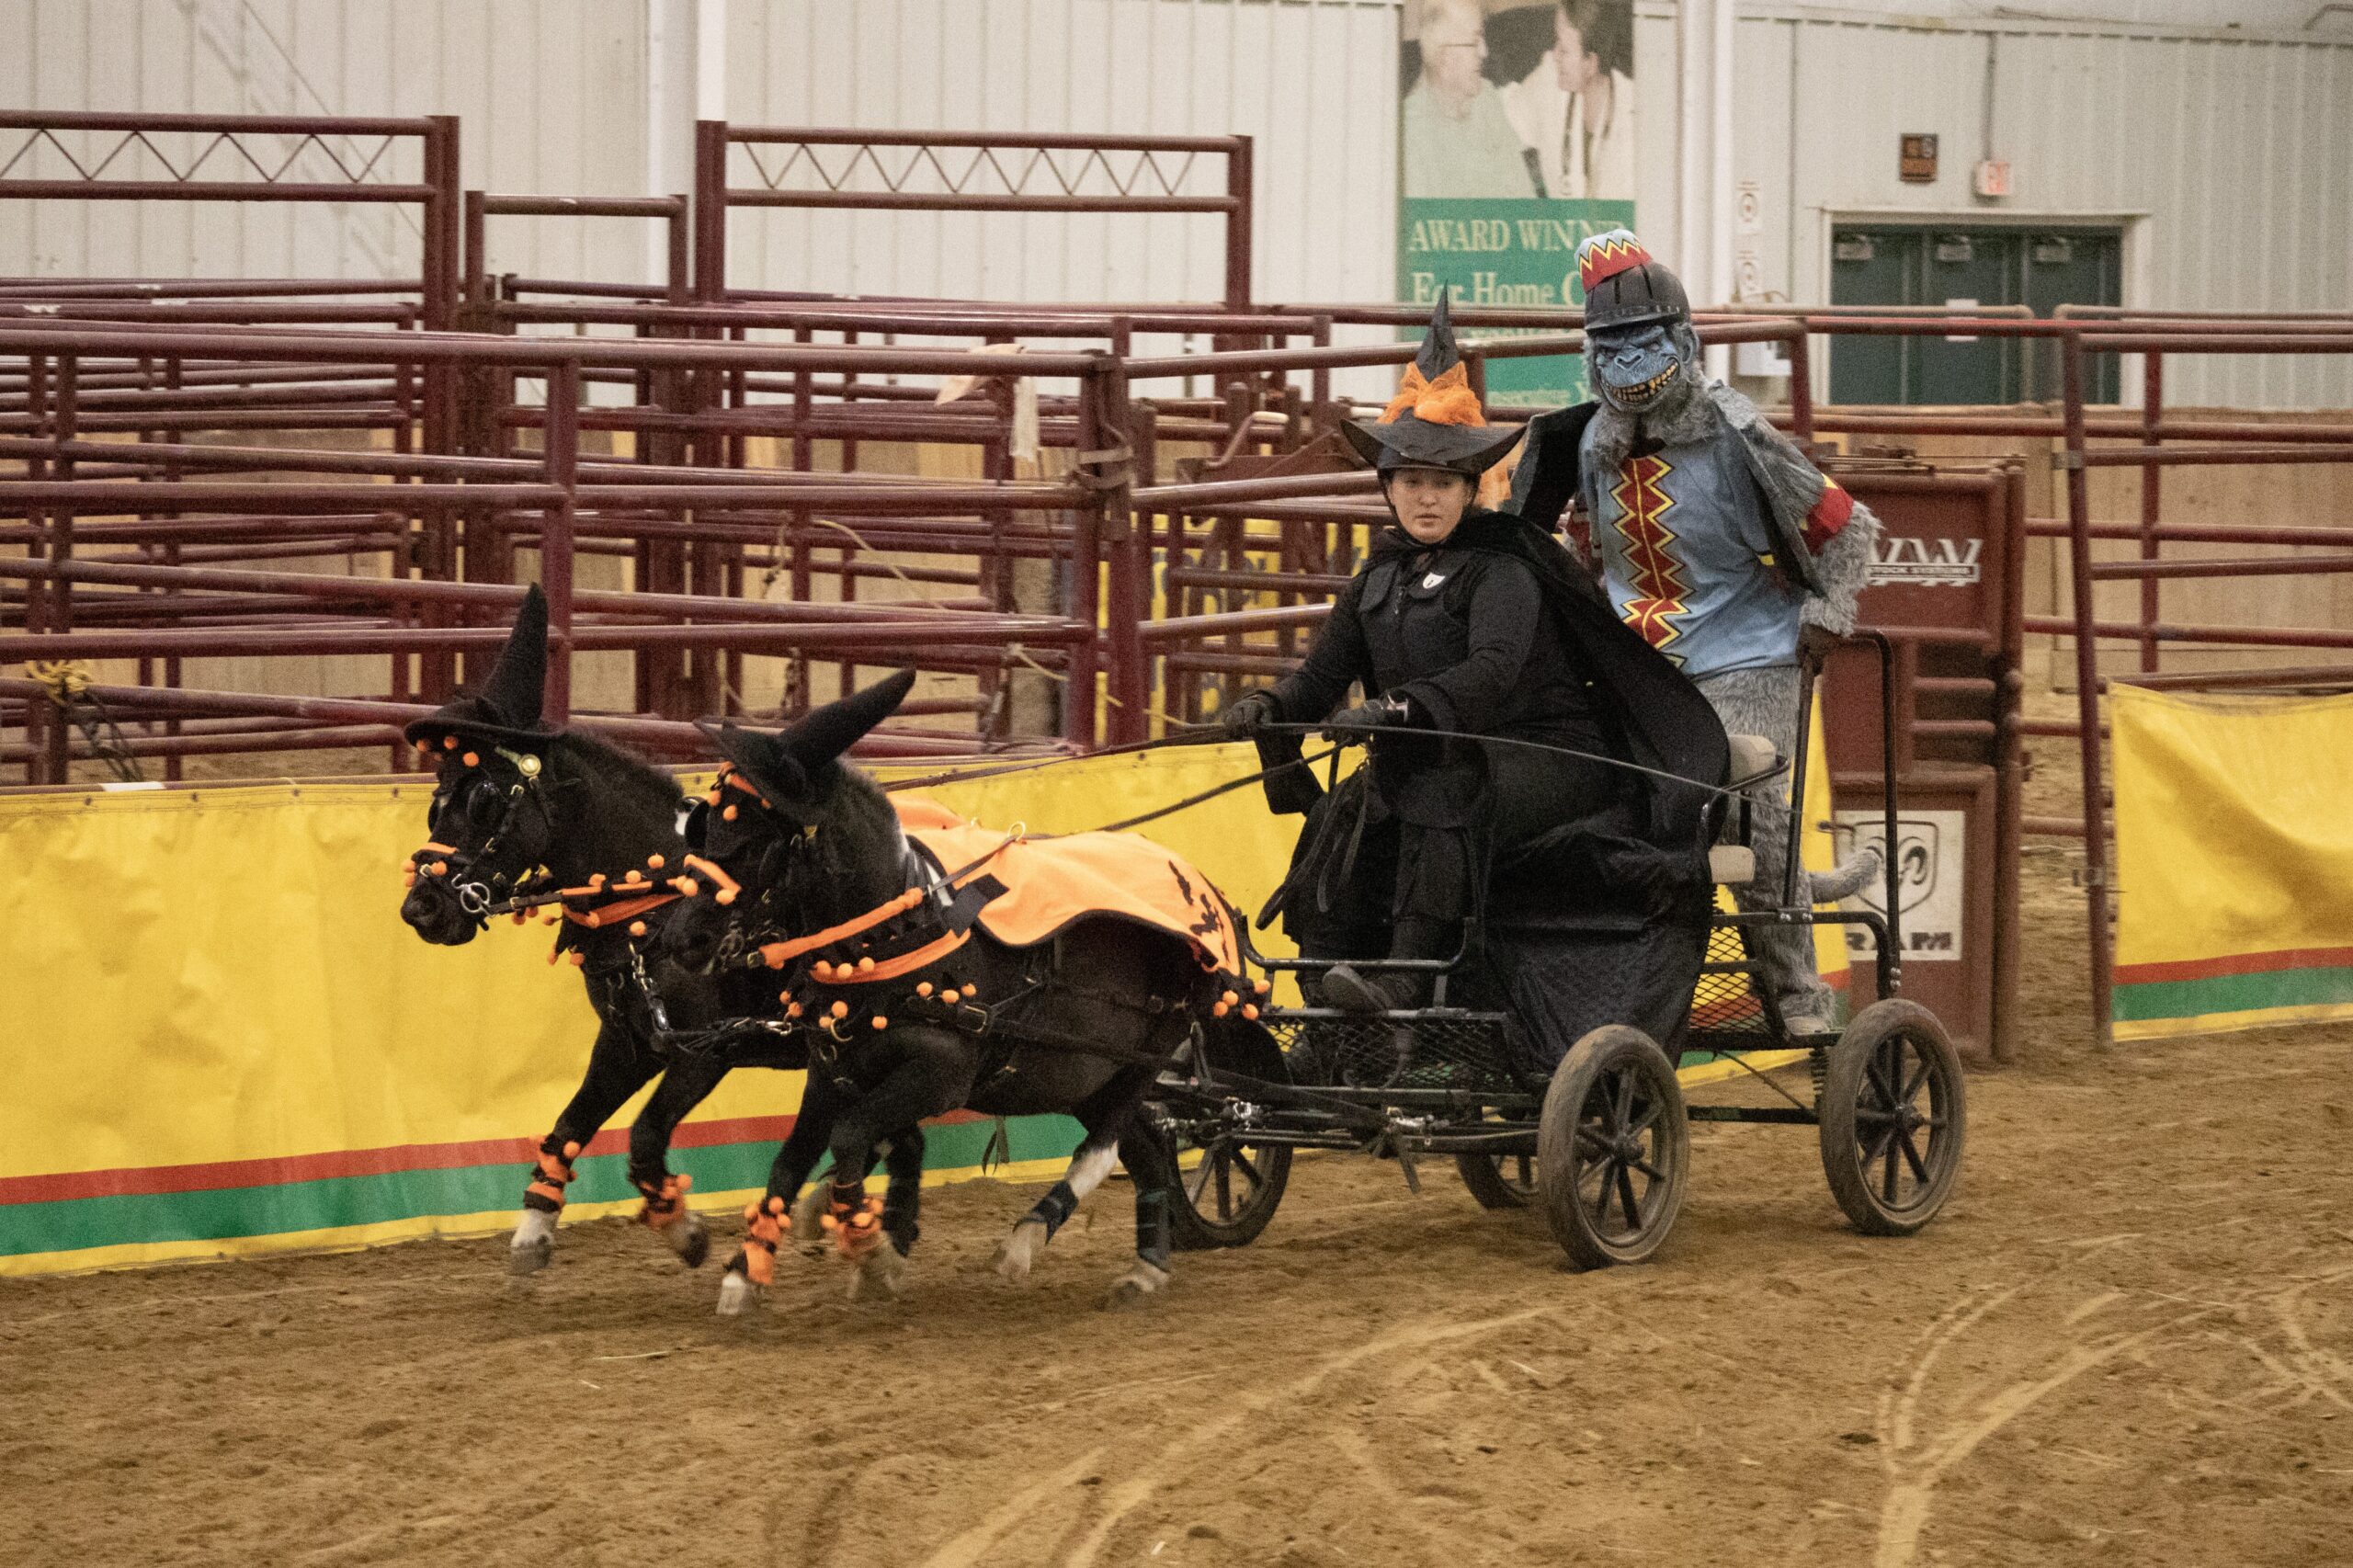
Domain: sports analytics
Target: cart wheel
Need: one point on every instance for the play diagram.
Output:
(1613, 1150)
(1894, 1115)
(1499, 1181)
(1227, 1198)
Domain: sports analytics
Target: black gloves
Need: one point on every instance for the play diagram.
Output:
(1241, 718)
(1351, 723)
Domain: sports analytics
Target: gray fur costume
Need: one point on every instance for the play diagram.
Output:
(1761, 702)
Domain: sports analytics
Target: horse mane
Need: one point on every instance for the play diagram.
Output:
(633, 786)
(861, 827)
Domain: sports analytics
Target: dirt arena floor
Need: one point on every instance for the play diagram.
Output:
(2127, 1341)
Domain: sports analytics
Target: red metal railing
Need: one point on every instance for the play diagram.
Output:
(1184, 530)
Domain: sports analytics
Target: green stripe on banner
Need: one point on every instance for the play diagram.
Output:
(2154, 999)
(72, 1224)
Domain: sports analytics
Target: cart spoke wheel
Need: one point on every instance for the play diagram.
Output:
(1612, 1149)
(1893, 1115)
(1234, 1184)
(1500, 1181)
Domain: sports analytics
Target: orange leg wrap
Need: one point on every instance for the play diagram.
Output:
(554, 1175)
(666, 1205)
(857, 1230)
(766, 1224)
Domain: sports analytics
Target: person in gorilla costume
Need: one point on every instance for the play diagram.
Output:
(1715, 537)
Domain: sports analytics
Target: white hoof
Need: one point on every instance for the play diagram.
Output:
(689, 1240)
(807, 1221)
(1140, 1280)
(533, 1245)
(736, 1296)
(880, 1276)
(1020, 1250)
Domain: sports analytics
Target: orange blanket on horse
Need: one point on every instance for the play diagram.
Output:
(1050, 883)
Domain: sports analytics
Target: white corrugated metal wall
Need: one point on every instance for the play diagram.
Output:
(551, 92)
(2223, 150)
(1313, 81)
(2224, 155)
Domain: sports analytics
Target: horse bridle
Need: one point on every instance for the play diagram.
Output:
(481, 895)
(747, 927)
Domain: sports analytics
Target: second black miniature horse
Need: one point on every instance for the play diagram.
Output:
(911, 1010)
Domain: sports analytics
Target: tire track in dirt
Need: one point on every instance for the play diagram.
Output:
(1161, 1467)
(1916, 1472)
(964, 1550)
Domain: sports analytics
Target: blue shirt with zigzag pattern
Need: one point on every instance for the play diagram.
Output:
(1687, 557)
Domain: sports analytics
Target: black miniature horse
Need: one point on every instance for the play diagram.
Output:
(1082, 1024)
(518, 807)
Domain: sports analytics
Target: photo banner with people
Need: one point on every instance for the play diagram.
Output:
(1515, 143)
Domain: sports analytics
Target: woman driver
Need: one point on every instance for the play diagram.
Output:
(1472, 622)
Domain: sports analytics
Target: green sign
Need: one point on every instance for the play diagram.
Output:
(1503, 252)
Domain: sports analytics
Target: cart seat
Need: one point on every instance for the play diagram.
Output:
(1753, 759)
(1731, 865)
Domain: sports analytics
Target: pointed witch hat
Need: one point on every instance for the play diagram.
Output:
(794, 760)
(1434, 421)
(507, 705)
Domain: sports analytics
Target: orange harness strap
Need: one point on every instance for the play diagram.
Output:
(627, 909)
(728, 886)
(891, 968)
(777, 954)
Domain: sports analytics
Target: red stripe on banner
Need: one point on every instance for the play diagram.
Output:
(141, 1180)
(2234, 963)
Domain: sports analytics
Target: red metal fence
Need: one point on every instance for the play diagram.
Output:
(1177, 528)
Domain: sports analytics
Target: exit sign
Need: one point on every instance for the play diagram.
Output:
(1916, 163)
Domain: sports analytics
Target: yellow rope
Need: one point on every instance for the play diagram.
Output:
(65, 679)
(768, 581)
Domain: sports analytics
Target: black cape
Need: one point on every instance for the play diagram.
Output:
(1626, 949)
(1658, 719)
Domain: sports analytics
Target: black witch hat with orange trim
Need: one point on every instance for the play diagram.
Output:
(508, 704)
(1435, 420)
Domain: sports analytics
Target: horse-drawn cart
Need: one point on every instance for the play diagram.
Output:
(1601, 1141)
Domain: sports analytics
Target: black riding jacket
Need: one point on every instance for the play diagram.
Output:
(1459, 631)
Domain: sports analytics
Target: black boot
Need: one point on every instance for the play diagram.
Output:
(1381, 992)
(1384, 991)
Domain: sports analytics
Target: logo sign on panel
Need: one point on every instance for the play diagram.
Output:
(1915, 562)
(1929, 847)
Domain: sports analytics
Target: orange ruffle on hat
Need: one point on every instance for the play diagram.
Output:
(1449, 400)
(1435, 420)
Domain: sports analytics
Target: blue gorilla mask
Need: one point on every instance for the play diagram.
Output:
(1636, 367)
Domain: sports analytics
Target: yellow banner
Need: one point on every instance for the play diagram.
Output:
(228, 1041)
(231, 1042)
(2234, 861)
